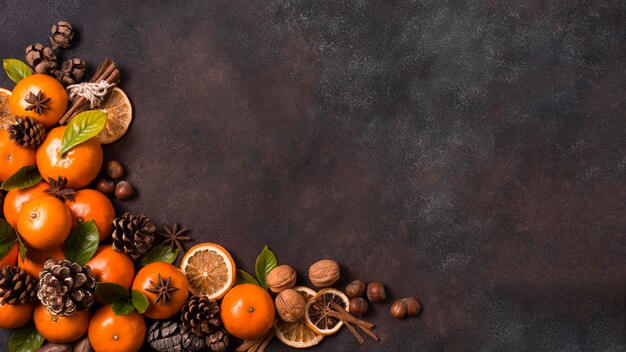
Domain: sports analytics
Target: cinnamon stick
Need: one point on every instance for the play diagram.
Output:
(105, 72)
(354, 332)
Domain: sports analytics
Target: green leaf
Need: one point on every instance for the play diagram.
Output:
(81, 128)
(160, 254)
(25, 339)
(7, 238)
(245, 278)
(265, 262)
(21, 247)
(122, 308)
(16, 69)
(82, 243)
(139, 301)
(108, 293)
(25, 177)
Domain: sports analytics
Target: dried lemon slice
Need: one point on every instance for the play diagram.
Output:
(317, 308)
(6, 118)
(298, 334)
(209, 269)
(120, 114)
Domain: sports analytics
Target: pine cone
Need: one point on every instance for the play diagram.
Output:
(218, 341)
(71, 72)
(201, 315)
(133, 235)
(166, 336)
(16, 286)
(65, 287)
(41, 58)
(62, 35)
(26, 132)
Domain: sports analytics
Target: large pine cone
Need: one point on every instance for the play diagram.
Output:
(201, 315)
(218, 341)
(166, 336)
(65, 287)
(62, 34)
(133, 235)
(71, 72)
(41, 58)
(27, 132)
(16, 286)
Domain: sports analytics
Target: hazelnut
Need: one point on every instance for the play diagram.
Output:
(358, 306)
(281, 278)
(324, 273)
(114, 169)
(124, 190)
(290, 305)
(106, 186)
(375, 292)
(413, 306)
(398, 309)
(355, 289)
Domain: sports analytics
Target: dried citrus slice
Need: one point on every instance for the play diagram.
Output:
(299, 334)
(6, 118)
(209, 269)
(316, 310)
(120, 114)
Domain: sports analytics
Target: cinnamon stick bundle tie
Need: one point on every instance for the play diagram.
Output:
(93, 92)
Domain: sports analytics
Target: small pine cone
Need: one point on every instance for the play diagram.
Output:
(166, 336)
(218, 341)
(71, 72)
(65, 287)
(133, 235)
(201, 315)
(16, 286)
(62, 35)
(41, 58)
(27, 132)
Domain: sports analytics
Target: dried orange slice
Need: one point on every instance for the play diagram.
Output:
(316, 310)
(120, 114)
(298, 334)
(209, 269)
(6, 118)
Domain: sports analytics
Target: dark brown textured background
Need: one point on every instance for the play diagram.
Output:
(470, 153)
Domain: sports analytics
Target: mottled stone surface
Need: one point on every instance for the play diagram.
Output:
(470, 153)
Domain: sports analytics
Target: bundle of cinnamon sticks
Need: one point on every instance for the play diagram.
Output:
(105, 72)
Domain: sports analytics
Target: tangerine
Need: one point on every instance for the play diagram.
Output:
(35, 259)
(13, 157)
(59, 328)
(11, 257)
(112, 333)
(162, 276)
(108, 265)
(247, 312)
(80, 165)
(17, 197)
(12, 317)
(89, 204)
(48, 88)
(44, 223)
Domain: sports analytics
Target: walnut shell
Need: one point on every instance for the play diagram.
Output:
(324, 273)
(290, 305)
(281, 278)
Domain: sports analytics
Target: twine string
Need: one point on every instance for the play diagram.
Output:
(92, 92)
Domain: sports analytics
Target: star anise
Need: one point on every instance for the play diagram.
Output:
(162, 289)
(175, 236)
(37, 102)
(58, 189)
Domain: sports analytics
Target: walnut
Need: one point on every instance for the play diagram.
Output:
(290, 305)
(281, 278)
(324, 273)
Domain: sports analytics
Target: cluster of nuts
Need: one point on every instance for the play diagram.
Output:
(409, 306)
(43, 59)
(375, 292)
(113, 170)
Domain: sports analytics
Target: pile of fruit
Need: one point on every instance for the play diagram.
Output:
(79, 277)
